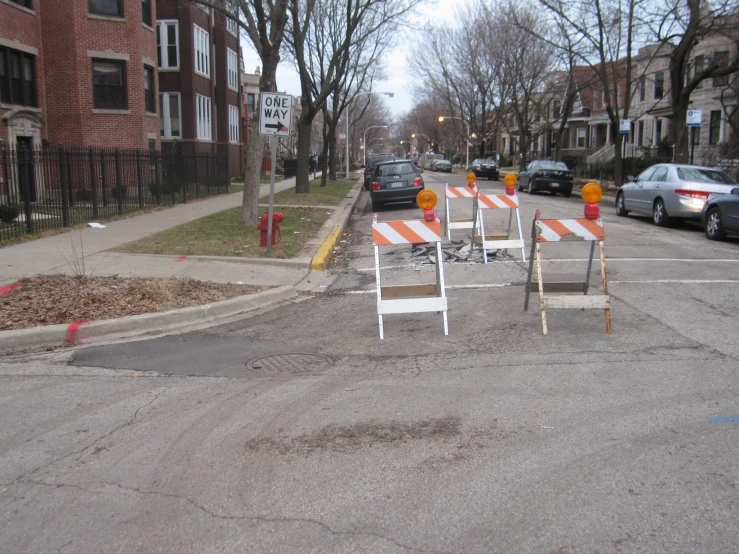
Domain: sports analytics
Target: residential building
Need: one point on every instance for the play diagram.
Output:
(78, 72)
(199, 66)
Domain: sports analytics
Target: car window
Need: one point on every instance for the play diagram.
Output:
(702, 175)
(646, 174)
(394, 169)
(660, 174)
(561, 166)
(532, 166)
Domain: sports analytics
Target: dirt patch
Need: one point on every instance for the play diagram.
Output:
(54, 299)
(340, 438)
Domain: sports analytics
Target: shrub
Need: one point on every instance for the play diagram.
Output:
(503, 162)
(114, 192)
(83, 195)
(9, 212)
(165, 188)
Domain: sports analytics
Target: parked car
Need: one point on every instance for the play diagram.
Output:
(540, 175)
(371, 162)
(720, 216)
(396, 181)
(433, 164)
(670, 190)
(443, 165)
(484, 168)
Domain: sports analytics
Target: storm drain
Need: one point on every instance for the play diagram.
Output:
(289, 363)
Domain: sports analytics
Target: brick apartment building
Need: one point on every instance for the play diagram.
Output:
(78, 72)
(199, 81)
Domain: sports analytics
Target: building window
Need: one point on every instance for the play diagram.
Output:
(106, 7)
(250, 102)
(146, 12)
(168, 44)
(17, 78)
(581, 137)
(24, 3)
(659, 85)
(171, 115)
(206, 9)
(658, 131)
(555, 109)
(721, 58)
(202, 51)
(640, 133)
(714, 131)
(698, 68)
(109, 84)
(233, 69)
(233, 124)
(232, 26)
(204, 126)
(149, 92)
(642, 88)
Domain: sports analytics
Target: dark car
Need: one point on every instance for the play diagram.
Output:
(555, 177)
(484, 168)
(720, 216)
(443, 165)
(371, 162)
(397, 181)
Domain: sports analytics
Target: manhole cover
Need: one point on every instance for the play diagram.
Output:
(289, 363)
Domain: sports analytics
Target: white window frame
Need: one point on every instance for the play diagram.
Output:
(201, 41)
(203, 110)
(232, 26)
(164, 105)
(232, 60)
(581, 134)
(234, 120)
(163, 44)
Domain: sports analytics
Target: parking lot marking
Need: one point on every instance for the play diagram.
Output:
(723, 419)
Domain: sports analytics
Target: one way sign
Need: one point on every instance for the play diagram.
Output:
(275, 114)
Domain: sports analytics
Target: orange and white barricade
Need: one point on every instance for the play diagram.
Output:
(416, 298)
(499, 242)
(456, 193)
(548, 231)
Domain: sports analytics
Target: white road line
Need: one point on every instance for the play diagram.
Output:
(609, 260)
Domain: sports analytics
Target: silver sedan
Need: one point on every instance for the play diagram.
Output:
(666, 191)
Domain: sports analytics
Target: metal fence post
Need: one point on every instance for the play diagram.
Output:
(104, 177)
(118, 183)
(185, 183)
(157, 179)
(29, 159)
(70, 181)
(139, 179)
(63, 187)
(93, 183)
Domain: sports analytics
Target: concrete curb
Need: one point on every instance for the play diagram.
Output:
(132, 326)
(301, 263)
(338, 223)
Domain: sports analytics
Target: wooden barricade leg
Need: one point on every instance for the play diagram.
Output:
(520, 234)
(447, 217)
(605, 282)
(440, 283)
(379, 288)
(541, 289)
(590, 266)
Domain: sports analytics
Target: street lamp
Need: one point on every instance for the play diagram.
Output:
(406, 142)
(414, 135)
(466, 139)
(346, 142)
(364, 161)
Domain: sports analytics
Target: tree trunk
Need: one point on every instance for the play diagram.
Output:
(333, 155)
(681, 132)
(618, 173)
(521, 147)
(302, 178)
(252, 174)
(324, 152)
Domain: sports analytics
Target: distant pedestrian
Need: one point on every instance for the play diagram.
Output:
(313, 165)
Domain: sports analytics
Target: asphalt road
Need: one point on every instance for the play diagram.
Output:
(298, 430)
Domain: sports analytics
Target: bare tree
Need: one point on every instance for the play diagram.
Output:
(262, 23)
(683, 24)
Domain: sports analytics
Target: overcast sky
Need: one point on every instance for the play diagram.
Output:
(396, 61)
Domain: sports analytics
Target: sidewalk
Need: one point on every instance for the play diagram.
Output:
(60, 253)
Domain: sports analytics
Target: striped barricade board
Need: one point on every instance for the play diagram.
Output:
(568, 295)
(502, 241)
(455, 193)
(414, 298)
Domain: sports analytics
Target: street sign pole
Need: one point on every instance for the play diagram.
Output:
(271, 196)
(692, 144)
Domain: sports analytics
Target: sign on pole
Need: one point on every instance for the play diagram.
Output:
(624, 126)
(694, 118)
(275, 114)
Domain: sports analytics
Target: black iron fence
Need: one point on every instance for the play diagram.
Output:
(48, 188)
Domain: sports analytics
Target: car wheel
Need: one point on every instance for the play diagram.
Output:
(659, 214)
(621, 205)
(376, 205)
(519, 187)
(567, 193)
(530, 190)
(714, 228)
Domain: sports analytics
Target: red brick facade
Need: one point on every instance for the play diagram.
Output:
(64, 38)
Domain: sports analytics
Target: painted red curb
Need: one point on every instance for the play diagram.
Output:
(181, 259)
(7, 288)
(72, 331)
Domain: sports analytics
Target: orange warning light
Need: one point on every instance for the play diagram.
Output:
(426, 199)
(471, 177)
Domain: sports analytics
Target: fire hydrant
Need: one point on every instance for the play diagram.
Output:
(277, 218)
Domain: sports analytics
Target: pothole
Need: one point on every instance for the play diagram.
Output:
(289, 364)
